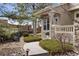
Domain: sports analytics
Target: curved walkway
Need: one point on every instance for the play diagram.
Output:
(34, 47)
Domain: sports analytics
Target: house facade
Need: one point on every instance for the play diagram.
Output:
(26, 28)
(60, 19)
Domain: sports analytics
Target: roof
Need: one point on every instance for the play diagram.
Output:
(74, 8)
(4, 21)
(4, 18)
(46, 9)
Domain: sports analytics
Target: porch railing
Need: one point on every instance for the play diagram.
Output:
(63, 28)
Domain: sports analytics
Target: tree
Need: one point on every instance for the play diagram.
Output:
(30, 8)
(35, 8)
(24, 11)
(17, 13)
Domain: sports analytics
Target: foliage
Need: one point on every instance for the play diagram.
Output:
(21, 11)
(54, 46)
(25, 34)
(51, 45)
(67, 47)
(6, 36)
(32, 38)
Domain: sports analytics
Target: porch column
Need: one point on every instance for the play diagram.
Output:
(51, 20)
(42, 34)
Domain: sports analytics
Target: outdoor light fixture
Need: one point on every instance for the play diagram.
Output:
(27, 51)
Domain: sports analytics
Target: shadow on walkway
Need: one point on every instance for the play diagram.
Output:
(43, 54)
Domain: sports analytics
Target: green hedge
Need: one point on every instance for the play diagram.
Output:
(31, 38)
(51, 45)
(55, 46)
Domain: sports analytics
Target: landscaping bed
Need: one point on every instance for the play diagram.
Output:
(32, 38)
(55, 47)
(9, 37)
(16, 51)
(12, 48)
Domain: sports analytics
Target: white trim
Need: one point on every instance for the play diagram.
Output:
(66, 29)
(74, 8)
(75, 15)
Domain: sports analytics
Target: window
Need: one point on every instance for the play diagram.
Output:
(44, 27)
(56, 20)
(77, 15)
(47, 33)
(46, 24)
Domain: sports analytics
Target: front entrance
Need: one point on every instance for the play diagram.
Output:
(45, 27)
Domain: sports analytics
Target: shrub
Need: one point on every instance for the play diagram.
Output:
(31, 38)
(4, 37)
(25, 34)
(10, 36)
(55, 46)
(15, 36)
(67, 47)
(51, 45)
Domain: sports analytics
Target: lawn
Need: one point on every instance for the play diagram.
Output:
(32, 38)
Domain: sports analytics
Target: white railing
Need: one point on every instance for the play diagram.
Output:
(63, 28)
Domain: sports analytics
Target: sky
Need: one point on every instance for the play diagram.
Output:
(15, 21)
(9, 7)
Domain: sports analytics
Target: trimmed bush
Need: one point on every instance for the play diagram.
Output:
(51, 45)
(25, 34)
(55, 46)
(31, 38)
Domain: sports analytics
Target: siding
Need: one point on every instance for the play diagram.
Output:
(65, 16)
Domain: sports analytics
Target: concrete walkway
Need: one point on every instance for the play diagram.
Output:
(34, 47)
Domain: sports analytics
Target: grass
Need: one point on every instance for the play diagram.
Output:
(32, 38)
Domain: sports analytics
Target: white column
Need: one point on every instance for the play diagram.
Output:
(37, 23)
(51, 19)
(74, 35)
(42, 35)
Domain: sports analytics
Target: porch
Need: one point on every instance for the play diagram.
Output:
(59, 24)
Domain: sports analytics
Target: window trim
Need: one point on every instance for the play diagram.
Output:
(46, 24)
(56, 21)
(75, 14)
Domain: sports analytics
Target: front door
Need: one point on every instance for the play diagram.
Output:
(46, 28)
